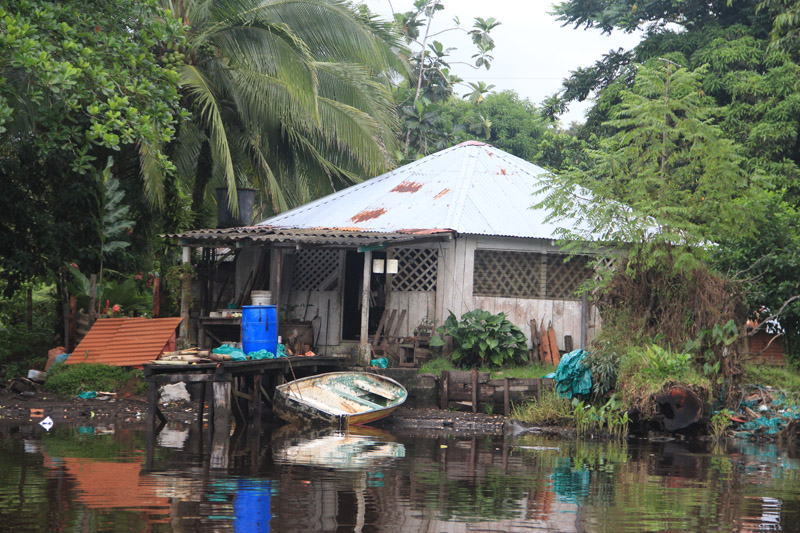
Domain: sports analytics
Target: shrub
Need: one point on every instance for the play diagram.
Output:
(481, 338)
(70, 380)
(603, 361)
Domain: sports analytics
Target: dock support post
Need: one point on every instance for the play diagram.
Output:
(220, 440)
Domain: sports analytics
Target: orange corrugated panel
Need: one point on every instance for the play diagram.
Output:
(126, 341)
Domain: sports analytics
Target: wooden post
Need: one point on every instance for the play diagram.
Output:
(278, 275)
(474, 391)
(506, 398)
(444, 386)
(584, 320)
(156, 296)
(363, 345)
(186, 286)
(73, 315)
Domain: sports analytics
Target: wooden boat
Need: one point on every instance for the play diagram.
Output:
(338, 399)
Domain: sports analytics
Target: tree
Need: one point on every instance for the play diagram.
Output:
(430, 85)
(78, 82)
(516, 126)
(287, 96)
(655, 197)
(668, 182)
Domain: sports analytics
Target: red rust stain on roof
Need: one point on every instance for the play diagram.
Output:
(126, 341)
(503, 171)
(442, 193)
(407, 186)
(363, 216)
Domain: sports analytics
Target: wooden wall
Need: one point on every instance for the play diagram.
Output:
(420, 306)
(455, 290)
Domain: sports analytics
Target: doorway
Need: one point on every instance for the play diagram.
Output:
(351, 305)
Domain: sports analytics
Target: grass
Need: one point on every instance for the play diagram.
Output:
(550, 409)
(70, 380)
(783, 378)
(437, 365)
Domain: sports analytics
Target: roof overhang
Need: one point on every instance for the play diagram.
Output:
(342, 238)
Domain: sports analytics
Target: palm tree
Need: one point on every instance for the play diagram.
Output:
(290, 96)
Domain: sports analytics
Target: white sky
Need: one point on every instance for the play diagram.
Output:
(533, 53)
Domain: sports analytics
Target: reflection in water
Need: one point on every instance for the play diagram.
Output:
(284, 480)
(356, 448)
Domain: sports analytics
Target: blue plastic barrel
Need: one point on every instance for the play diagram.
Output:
(259, 328)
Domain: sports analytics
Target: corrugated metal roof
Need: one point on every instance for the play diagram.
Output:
(471, 188)
(125, 341)
(339, 237)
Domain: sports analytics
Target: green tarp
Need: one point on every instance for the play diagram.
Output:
(572, 378)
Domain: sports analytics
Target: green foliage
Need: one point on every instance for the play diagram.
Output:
(590, 419)
(289, 97)
(79, 88)
(663, 364)
(782, 378)
(429, 86)
(664, 185)
(125, 293)
(603, 360)
(82, 83)
(72, 379)
(719, 424)
(517, 126)
(481, 338)
(550, 408)
(437, 365)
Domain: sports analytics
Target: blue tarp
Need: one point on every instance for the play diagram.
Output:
(572, 378)
(238, 355)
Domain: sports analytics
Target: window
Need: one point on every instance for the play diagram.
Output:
(528, 274)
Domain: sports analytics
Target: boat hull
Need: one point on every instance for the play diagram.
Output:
(338, 399)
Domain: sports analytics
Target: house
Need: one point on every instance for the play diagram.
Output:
(457, 226)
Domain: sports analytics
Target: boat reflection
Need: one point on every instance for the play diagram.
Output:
(353, 449)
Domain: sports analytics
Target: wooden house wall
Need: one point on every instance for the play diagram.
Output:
(322, 308)
(456, 284)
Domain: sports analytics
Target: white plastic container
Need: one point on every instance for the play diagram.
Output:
(37, 375)
(261, 297)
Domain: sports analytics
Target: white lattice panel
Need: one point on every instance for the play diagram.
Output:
(316, 270)
(565, 274)
(416, 270)
(507, 274)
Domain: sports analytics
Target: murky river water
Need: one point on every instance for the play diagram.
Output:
(102, 479)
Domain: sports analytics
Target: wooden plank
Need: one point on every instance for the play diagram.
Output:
(506, 398)
(399, 322)
(388, 326)
(377, 340)
(545, 346)
(554, 353)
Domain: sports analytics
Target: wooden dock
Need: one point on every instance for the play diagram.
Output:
(230, 389)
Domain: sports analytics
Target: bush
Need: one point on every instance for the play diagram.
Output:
(481, 338)
(70, 380)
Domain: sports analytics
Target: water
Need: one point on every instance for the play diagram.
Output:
(102, 479)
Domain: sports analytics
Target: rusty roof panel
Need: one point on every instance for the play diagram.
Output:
(126, 341)
(471, 188)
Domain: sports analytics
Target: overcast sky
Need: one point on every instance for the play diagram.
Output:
(534, 52)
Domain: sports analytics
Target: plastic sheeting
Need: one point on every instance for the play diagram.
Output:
(572, 378)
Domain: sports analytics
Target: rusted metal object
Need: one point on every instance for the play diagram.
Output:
(680, 406)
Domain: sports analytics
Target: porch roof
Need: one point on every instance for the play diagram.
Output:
(317, 237)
